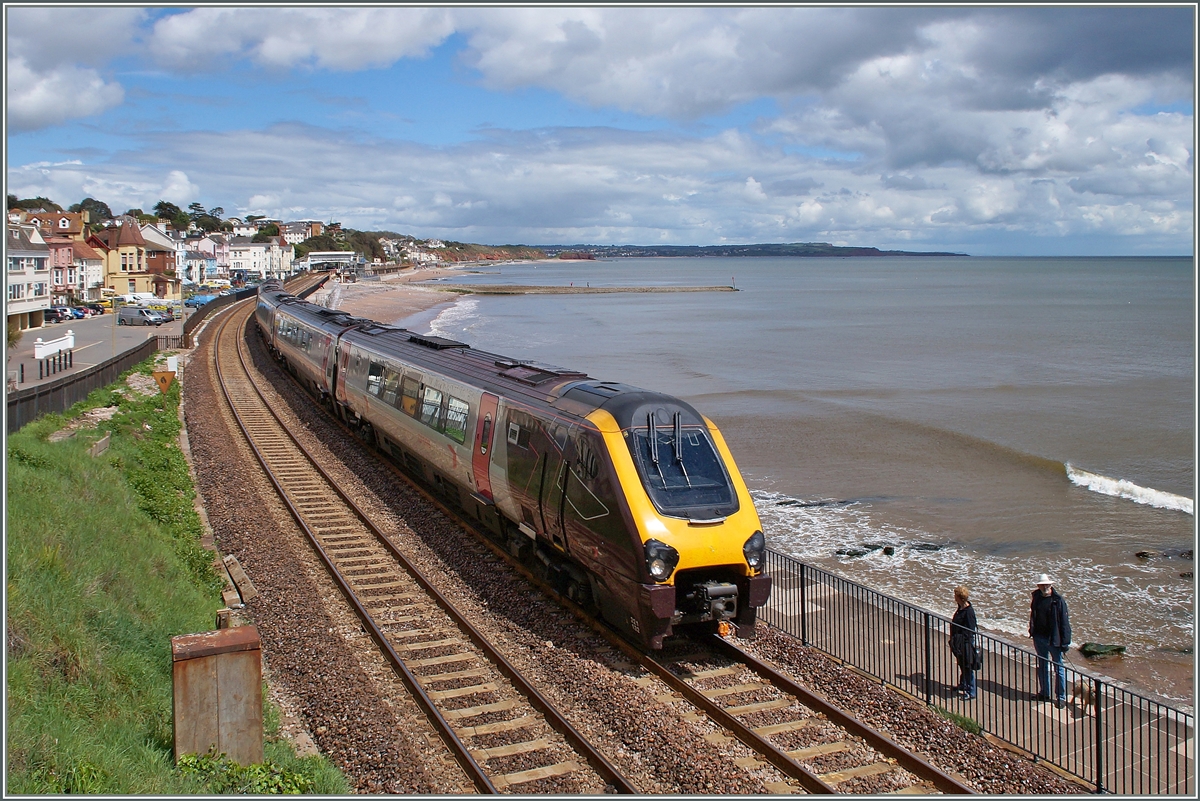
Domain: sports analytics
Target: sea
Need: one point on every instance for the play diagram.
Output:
(991, 419)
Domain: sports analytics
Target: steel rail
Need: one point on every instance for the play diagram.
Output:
(885, 745)
(460, 751)
(552, 715)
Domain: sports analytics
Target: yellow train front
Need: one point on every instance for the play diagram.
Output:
(649, 502)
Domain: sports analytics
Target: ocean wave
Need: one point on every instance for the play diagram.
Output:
(1121, 488)
(455, 321)
(1142, 606)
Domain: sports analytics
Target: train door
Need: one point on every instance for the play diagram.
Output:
(328, 361)
(344, 357)
(557, 477)
(480, 456)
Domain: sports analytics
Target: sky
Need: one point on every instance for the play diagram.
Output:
(994, 131)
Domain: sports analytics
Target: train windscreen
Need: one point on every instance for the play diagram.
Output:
(682, 471)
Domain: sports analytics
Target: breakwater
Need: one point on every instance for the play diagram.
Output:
(514, 289)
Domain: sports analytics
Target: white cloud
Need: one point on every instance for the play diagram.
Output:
(40, 99)
(327, 38)
(178, 189)
(50, 37)
(606, 186)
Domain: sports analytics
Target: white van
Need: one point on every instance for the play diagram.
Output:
(139, 315)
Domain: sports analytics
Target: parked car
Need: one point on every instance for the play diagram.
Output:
(81, 311)
(139, 315)
(196, 301)
(95, 307)
(55, 314)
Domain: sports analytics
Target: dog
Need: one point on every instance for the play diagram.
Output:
(1083, 695)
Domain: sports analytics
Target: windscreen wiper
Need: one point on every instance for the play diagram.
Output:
(679, 446)
(654, 448)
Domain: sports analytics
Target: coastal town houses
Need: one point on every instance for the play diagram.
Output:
(28, 276)
(200, 256)
(68, 224)
(133, 264)
(260, 260)
(196, 267)
(88, 270)
(76, 271)
(296, 232)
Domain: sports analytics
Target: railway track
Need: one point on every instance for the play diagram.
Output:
(490, 719)
(503, 733)
(821, 747)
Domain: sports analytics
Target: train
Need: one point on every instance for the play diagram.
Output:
(625, 500)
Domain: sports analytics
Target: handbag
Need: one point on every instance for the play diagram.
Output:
(977, 657)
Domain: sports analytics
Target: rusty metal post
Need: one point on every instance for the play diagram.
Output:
(217, 699)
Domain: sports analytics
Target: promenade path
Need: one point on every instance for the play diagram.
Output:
(1148, 747)
(97, 339)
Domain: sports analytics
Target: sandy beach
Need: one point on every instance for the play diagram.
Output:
(400, 295)
(393, 298)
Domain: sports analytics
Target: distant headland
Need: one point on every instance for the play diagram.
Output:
(776, 250)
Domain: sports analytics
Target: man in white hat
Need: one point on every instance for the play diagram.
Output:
(1050, 628)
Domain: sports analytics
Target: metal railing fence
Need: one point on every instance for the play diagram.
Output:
(1115, 739)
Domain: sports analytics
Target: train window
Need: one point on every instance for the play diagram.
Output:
(514, 433)
(375, 378)
(410, 389)
(391, 386)
(682, 472)
(486, 435)
(456, 419)
(431, 407)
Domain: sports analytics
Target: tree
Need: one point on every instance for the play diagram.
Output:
(252, 217)
(266, 232)
(97, 210)
(14, 332)
(216, 211)
(167, 211)
(33, 204)
(195, 210)
(208, 223)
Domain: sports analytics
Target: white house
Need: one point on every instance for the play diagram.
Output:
(28, 276)
(261, 260)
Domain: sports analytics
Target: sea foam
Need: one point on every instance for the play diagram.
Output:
(1121, 488)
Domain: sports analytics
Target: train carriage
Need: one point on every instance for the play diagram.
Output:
(627, 500)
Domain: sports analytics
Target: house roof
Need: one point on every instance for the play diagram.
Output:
(50, 221)
(22, 238)
(84, 251)
(127, 235)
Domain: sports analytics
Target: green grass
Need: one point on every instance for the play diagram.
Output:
(104, 567)
(962, 721)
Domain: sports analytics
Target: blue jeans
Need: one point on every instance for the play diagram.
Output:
(1047, 652)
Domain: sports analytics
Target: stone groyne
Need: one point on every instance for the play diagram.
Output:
(516, 289)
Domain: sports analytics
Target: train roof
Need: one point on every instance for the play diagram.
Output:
(565, 391)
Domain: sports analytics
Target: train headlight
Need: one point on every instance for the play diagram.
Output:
(755, 550)
(661, 559)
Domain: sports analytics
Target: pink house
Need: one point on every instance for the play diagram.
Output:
(63, 278)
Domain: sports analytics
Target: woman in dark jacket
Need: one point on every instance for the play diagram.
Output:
(962, 642)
